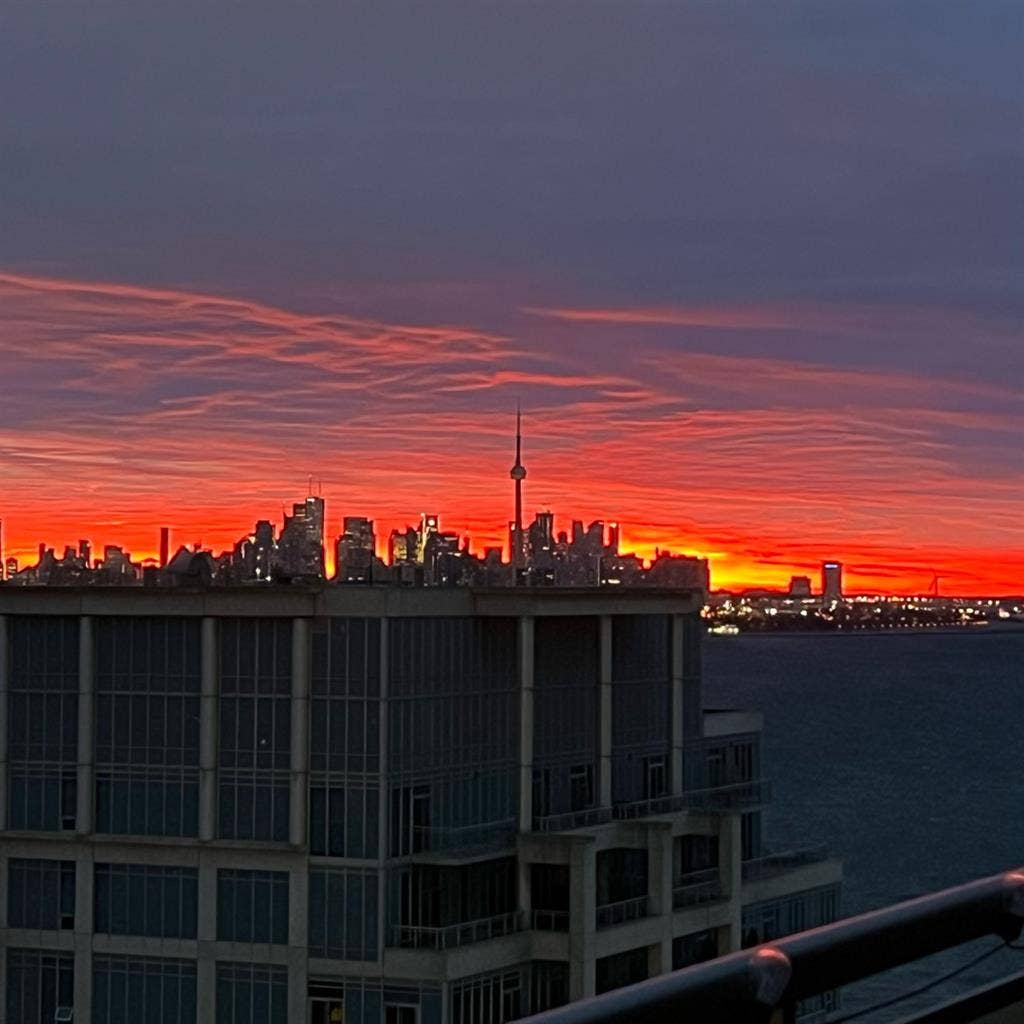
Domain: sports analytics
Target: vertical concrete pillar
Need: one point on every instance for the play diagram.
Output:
(676, 774)
(208, 714)
(83, 934)
(582, 917)
(526, 641)
(301, 666)
(730, 867)
(659, 897)
(206, 931)
(86, 718)
(383, 816)
(5, 669)
(206, 987)
(604, 731)
(298, 935)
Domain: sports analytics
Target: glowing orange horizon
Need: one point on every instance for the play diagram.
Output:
(126, 408)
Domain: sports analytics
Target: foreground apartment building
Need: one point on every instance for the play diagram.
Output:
(366, 804)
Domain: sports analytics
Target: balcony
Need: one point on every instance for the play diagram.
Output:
(649, 808)
(488, 836)
(611, 914)
(697, 888)
(573, 819)
(462, 934)
(773, 864)
(734, 796)
(549, 920)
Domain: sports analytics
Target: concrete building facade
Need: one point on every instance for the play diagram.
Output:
(330, 805)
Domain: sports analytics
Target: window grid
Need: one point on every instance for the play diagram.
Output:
(38, 981)
(488, 998)
(40, 894)
(251, 994)
(148, 680)
(142, 899)
(252, 906)
(343, 915)
(149, 989)
(255, 729)
(43, 722)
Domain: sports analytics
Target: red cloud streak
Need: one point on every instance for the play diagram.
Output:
(125, 408)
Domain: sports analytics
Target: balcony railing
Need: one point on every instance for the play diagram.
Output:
(733, 796)
(462, 934)
(745, 987)
(773, 864)
(572, 819)
(696, 888)
(549, 920)
(437, 839)
(611, 914)
(650, 808)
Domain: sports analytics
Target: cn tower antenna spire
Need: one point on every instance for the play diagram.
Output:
(518, 475)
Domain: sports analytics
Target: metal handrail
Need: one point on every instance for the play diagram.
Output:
(730, 796)
(696, 888)
(572, 819)
(610, 914)
(740, 987)
(648, 808)
(461, 934)
(542, 920)
(772, 864)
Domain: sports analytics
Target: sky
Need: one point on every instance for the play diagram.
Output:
(753, 271)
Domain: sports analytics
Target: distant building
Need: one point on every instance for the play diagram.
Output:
(800, 586)
(355, 551)
(300, 548)
(832, 581)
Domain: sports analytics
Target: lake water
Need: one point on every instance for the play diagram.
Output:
(902, 751)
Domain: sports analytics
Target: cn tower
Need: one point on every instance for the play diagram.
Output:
(518, 474)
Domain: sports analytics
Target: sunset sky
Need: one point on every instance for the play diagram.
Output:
(754, 272)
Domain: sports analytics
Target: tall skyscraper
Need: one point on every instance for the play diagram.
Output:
(518, 474)
(165, 545)
(832, 581)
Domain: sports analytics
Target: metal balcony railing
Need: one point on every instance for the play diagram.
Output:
(462, 934)
(611, 914)
(549, 920)
(733, 796)
(434, 839)
(649, 808)
(745, 987)
(696, 888)
(779, 863)
(572, 819)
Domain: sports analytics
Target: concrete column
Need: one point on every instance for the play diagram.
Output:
(676, 776)
(730, 867)
(659, 870)
(5, 670)
(604, 732)
(83, 933)
(383, 816)
(582, 918)
(301, 665)
(86, 718)
(206, 986)
(298, 935)
(525, 724)
(208, 715)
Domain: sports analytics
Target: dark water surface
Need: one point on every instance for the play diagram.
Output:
(902, 751)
